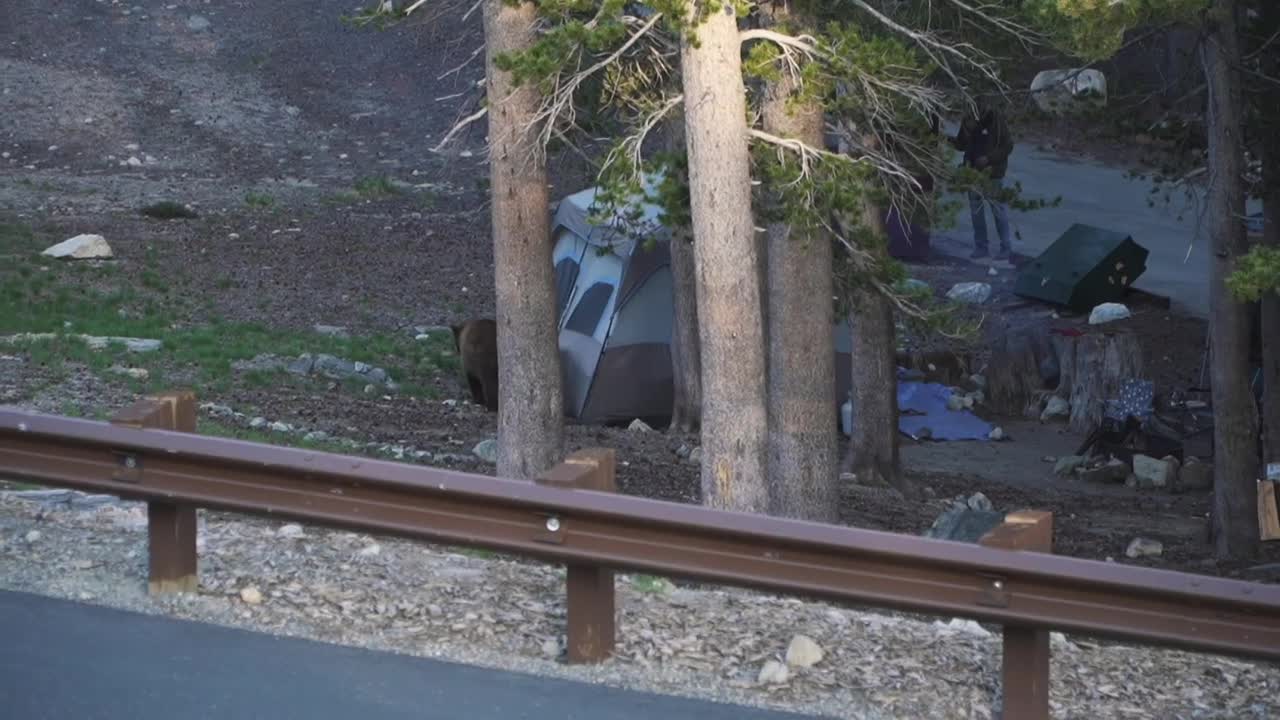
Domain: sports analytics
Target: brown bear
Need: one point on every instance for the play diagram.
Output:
(477, 344)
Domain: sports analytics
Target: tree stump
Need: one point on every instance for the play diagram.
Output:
(1021, 370)
(1092, 368)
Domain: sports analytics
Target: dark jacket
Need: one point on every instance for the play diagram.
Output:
(986, 136)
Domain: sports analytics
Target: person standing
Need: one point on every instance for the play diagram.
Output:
(984, 137)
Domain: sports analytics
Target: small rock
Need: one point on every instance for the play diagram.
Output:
(81, 564)
(280, 427)
(487, 450)
(974, 293)
(302, 365)
(1195, 475)
(198, 23)
(1049, 459)
(978, 380)
(33, 536)
(370, 550)
(80, 247)
(1153, 473)
(251, 595)
(978, 501)
(331, 330)
(316, 436)
(773, 673)
(955, 403)
(258, 423)
(1108, 312)
(1067, 464)
(997, 434)
(1056, 407)
(992, 272)
(292, 530)
(551, 648)
(804, 652)
(695, 456)
(1114, 471)
(370, 389)
(1144, 547)
(639, 425)
(135, 373)
(422, 337)
(683, 451)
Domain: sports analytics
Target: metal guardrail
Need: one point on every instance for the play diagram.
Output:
(572, 515)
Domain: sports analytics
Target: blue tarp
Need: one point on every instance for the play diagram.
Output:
(944, 424)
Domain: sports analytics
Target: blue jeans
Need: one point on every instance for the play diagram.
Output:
(999, 211)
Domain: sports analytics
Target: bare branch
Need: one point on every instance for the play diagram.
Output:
(459, 127)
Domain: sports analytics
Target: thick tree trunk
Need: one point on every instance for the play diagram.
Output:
(800, 311)
(730, 317)
(873, 442)
(530, 398)
(1270, 314)
(1235, 517)
(686, 361)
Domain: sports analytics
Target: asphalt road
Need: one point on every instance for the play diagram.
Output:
(1094, 194)
(62, 660)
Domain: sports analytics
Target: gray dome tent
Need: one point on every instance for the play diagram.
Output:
(615, 310)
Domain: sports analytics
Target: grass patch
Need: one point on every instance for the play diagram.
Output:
(376, 187)
(258, 200)
(651, 584)
(168, 210)
(42, 296)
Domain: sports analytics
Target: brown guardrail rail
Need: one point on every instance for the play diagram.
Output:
(572, 515)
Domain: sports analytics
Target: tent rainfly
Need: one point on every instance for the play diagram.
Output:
(615, 310)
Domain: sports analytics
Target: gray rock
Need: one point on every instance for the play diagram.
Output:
(978, 501)
(1056, 407)
(639, 425)
(1195, 475)
(683, 451)
(316, 436)
(487, 450)
(198, 23)
(978, 380)
(1112, 471)
(1068, 464)
(292, 530)
(332, 331)
(695, 456)
(974, 293)
(804, 652)
(1144, 547)
(773, 673)
(997, 434)
(333, 367)
(280, 427)
(963, 524)
(1108, 312)
(258, 423)
(377, 376)
(302, 365)
(1153, 473)
(262, 361)
(80, 247)
(955, 402)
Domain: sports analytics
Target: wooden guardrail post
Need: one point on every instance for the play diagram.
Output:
(171, 527)
(591, 603)
(1025, 671)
